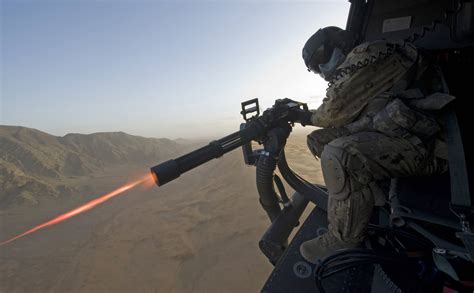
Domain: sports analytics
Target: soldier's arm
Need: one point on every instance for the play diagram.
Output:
(331, 113)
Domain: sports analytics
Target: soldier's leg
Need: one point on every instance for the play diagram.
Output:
(317, 139)
(351, 165)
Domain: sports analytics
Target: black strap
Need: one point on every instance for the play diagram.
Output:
(460, 195)
(457, 164)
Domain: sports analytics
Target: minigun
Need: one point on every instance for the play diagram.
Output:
(270, 129)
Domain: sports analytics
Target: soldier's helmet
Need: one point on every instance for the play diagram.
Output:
(327, 49)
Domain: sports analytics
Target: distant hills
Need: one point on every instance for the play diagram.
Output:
(35, 163)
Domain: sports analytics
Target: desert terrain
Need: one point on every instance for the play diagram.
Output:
(197, 234)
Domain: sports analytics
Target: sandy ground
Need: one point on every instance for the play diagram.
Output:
(197, 234)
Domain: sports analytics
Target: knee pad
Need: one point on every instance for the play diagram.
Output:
(334, 172)
(336, 163)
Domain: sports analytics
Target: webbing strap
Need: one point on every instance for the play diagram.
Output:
(457, 161)
(457, 164)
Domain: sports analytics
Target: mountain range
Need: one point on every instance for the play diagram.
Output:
(35, 164)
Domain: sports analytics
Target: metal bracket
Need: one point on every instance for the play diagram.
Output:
(250, 156)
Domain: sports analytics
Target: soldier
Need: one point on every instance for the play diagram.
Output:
(379, 122)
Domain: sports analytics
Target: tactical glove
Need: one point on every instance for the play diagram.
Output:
(301, 116)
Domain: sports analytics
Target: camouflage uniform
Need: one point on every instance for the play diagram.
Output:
(377, 125)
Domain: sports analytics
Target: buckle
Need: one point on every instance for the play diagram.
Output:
(464, 213)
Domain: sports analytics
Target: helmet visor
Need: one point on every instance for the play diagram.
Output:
(318, 57)
(315, 51)
(328, 69)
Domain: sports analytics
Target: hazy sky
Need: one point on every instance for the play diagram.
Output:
(154, 68)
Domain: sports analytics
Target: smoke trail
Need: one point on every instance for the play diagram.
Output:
(83, 208)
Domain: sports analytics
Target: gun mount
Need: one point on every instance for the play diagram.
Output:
(271, 129)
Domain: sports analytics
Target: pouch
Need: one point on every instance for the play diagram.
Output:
(398, 120)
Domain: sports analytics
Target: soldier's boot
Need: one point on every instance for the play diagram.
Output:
(348, 221)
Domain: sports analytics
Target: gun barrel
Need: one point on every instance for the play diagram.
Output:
(172, 169)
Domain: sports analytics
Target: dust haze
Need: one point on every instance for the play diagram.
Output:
(197, 234)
